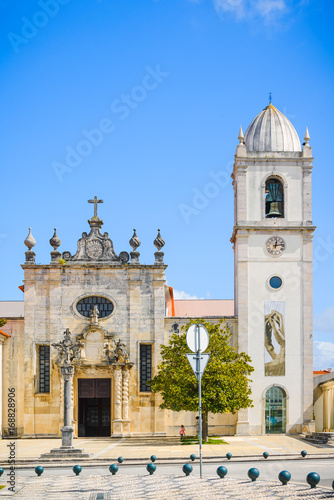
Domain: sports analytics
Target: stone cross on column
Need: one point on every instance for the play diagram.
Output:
(95, 201)
(67, 352)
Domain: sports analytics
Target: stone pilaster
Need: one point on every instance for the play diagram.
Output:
(117, 422)
(241, 309)
(241, 193)
(307, 194)
(126, 420)
(307, 310)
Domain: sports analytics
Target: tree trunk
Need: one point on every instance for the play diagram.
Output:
(205, 427)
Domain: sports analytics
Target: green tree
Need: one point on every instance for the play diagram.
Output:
(225, 383)
(3, 321)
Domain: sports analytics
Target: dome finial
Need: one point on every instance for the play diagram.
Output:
(270, 97)
(307, 136)
(241, 135)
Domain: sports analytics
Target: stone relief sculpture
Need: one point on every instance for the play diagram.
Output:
(95, 246)
(68, 350)
(274, 338)
(94, 315)
(116, 352)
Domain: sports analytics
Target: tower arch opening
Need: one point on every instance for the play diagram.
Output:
(274, 198)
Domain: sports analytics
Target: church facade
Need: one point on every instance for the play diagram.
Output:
(118, 312)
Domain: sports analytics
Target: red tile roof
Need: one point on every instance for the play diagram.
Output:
(4, 334)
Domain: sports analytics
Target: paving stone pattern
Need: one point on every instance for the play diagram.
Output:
(164, 487)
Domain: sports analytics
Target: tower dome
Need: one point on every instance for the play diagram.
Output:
(271, 131)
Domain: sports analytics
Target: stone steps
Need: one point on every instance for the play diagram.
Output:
(314, 438)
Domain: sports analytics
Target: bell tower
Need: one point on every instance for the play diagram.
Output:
(272, 240)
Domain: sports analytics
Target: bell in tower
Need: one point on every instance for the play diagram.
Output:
(274, 198)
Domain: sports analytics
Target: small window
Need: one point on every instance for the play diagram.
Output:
(86, 305)
(145, 355)
(274, 197)
(44, 368)
(275, 282)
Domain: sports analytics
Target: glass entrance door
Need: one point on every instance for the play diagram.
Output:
(275, 411)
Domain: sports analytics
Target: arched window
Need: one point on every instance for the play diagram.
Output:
(274, 198)
(275, 411)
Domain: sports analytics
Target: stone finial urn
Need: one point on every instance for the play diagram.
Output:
(55, 240)
(135, 241)
(30, 240)
(159, 242)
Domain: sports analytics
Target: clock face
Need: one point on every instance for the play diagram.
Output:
(275, 245)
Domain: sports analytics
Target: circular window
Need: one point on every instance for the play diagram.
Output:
(86, 305)
(275, 282)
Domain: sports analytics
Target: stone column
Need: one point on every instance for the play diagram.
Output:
(326, 405)
(67, 372)
(126, 420)
(117, 422)
(242, 310)
(330, 409)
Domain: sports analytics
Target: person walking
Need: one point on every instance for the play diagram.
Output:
(197, 427)
(182, 432)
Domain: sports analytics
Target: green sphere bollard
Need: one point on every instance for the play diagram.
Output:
(39, 470)
(265, 454)
(1, 471)
(153, 458)
(151, 468)
(253, 474)
(228, 456)
(193, 457)
(77, 469)
(221, 471)
(313, 479)
(113, 468)
(303, 453)
(187, 469)
(120, 460)
(284, 476)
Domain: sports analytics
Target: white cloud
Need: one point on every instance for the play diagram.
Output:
(324, 322)
(236, 7)
(181, 295)
(323, 355)
(268, 10)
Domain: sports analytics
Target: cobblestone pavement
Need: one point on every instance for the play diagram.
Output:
(162, 486)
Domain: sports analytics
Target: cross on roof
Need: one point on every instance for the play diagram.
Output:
(95, 201)
(270, 97)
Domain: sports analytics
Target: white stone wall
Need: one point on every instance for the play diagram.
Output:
(253, 268)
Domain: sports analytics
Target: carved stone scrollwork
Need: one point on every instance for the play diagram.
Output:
(118, 393)
(116, 352)
(68, 351)
(126, 379)
(95, 246)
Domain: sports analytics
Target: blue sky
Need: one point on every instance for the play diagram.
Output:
(167, 84)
